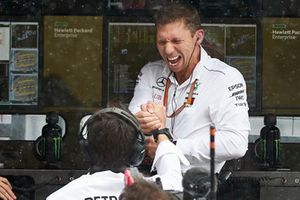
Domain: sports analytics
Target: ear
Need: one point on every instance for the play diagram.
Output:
(199, 35)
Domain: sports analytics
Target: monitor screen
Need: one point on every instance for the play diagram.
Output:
(19, 63)
(130, 46)
(281, 39)
(72, 75)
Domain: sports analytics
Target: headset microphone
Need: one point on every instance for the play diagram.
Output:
(192, 53)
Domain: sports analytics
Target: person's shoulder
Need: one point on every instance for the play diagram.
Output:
(153, 68)
(222, 68)
(157, 65)
(216, 65)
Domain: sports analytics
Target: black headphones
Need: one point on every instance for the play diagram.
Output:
(139, 148)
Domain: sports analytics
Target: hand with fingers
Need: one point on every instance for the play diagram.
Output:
(157, 109)
(151, 117)
(6, 192)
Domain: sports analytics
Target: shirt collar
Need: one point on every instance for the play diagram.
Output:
(199, 67)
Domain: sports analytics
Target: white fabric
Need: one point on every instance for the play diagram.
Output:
(109, 185)
(219, 100)
(101, 184)
(167, 162)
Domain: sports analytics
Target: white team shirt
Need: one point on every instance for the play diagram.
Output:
(100, 185)
(219, 99)
(109, 185)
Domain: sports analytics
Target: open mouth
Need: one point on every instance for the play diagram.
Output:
(173, 60)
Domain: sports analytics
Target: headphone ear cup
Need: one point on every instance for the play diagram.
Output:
(83, 141)
(138, 151)
(85, 149)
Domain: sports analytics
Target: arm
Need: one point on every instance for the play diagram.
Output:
(167, 163)
(142, 90)
(168, 157)
(156, 120)
(6, 189)
(144, 93)
(228, 112)
(138, 104)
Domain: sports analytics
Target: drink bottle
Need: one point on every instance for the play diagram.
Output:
(269, 143)
(49, 145)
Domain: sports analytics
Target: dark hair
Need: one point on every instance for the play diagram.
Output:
(142, 189)
(111, 140)
(178, 11)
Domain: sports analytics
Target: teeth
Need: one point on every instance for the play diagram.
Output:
(173, 58)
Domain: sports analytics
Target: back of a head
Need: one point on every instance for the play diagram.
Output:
(142, 189)
(110, 140)
(178, 11)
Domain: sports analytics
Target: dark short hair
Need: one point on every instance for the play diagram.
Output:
(111, 140)
(178, 11)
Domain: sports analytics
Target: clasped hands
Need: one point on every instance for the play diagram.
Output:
(152, 116)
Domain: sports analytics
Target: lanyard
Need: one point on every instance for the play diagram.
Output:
(187, 103)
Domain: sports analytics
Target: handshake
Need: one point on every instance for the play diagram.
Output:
(151, 117)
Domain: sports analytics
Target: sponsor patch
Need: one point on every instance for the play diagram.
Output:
(161, 81)
(157, 97)
(237, 92)
(235, 86)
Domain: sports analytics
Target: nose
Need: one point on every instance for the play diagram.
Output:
(169, 48)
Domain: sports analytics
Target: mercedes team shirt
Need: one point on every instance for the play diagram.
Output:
(219, 99)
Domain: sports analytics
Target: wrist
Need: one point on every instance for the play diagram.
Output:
(162, 134)
(161, 138)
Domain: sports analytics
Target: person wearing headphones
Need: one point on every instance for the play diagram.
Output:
(196, 90)
(115, 144)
